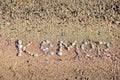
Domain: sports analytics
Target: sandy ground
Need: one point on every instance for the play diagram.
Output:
(66, 20)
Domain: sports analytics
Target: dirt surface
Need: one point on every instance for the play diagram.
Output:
(66, 20)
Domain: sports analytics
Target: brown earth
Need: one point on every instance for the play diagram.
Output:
(66, 20)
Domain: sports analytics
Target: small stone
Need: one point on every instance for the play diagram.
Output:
(100, 42)
(50, 53)
(32, 54)
(60, 43)
(20, 46)
(60, 49)
(19, 54)
(59, 53)
(64, 44)
(108, 55)
(85, 43)
(45, 49)
(88, 55)
(28, 44)
(73, 43)
(82, 46)
(68, 48)
(28, 52)
(42, 47)
(42, 43)
(47, 41)
(88, 13)
(50, 45)
(104, 42)
(24, 48)
(108, 45)
(19, 41)
(92, 46)
(35, 55)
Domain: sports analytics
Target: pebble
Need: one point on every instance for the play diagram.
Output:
(19, 53)
(24, 48)
(50, 45)
(60, 43)
(92, 46)
(73, 43)
(60, 49)
(85, 43)
(68, 48)
(19, 41)
(32, 54)
(100, 42)
(20, 46)
(77, 52)
(28, 44)
(41, 47)
(108, 55)
(42, 43)
(82, 46)
(104, 42)
(47, 41)
(108, 45)
(50, 53)
(59, 53)
(35, 55)
(45, 49)
(64, 44)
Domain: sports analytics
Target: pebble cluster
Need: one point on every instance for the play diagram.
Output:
(45, 46)
(77, 52)
(67, 47)
(59, 52)
(82, 46)
(21, 48)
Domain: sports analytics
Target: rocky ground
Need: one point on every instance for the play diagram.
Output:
(66, 20)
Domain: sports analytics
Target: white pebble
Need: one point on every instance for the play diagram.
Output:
(47, 41)
(45, 49)
(59, 53)
(85, 43)
(19, 53)
(35, 55)
(19, 41)
(60, 49)
(108, 45)
(50, 53)
(60, 43)
(92, 46)
(100, 42)
(50, 45)
(104, 42)
(73, 43)
(42, 47)
(32, 54)
(42, 43)
(20, 46)
(68, 48)
(82, 46)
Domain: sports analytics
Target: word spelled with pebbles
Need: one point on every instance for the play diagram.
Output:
(46, 46)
